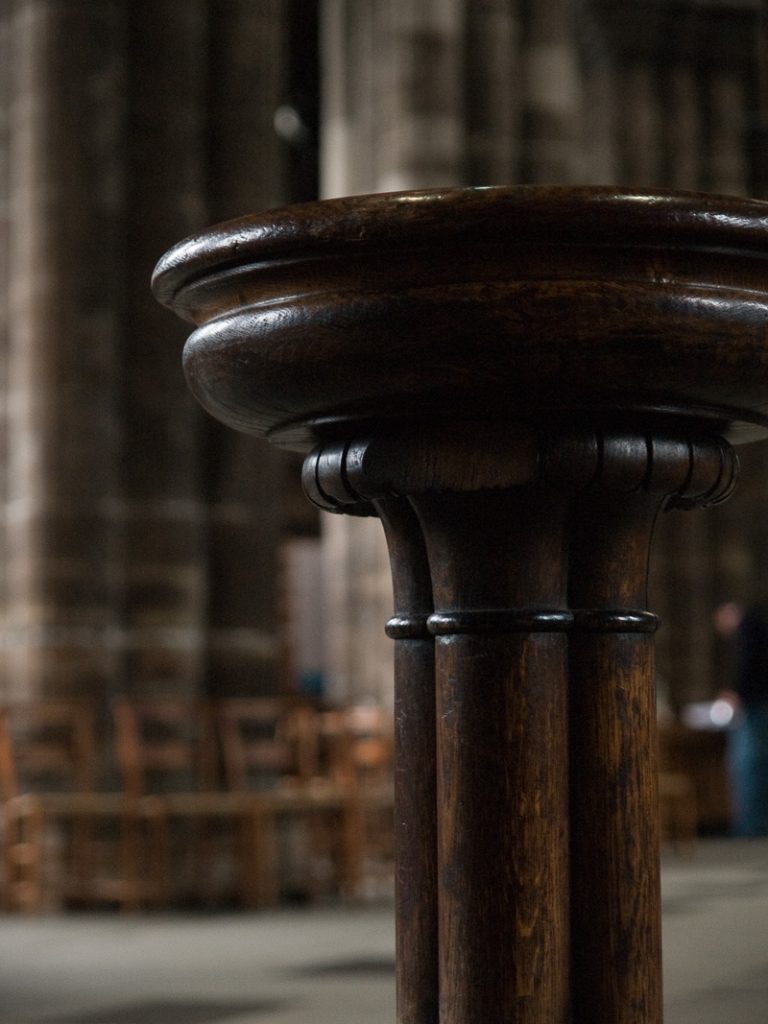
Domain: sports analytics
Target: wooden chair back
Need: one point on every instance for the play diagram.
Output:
(8, 782)
(360, 744)
(164, 745)
(47, 746)
(265, 741)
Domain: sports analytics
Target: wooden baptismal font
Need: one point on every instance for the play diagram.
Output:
(517, 382)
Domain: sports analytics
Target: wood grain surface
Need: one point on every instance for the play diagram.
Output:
(416, 897)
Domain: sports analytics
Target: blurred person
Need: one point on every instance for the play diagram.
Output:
(748, 737)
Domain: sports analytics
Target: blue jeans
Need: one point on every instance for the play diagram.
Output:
(748, 771)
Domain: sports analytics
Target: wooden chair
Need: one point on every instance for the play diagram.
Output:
(48, 762)
(360, 751)
(167, 755)
(678, 815)
(164, 746)
(361, 744)
(678, 802)
(270, 746)
(265, 742)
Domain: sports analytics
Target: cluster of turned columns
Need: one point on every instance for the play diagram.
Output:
(526, 799)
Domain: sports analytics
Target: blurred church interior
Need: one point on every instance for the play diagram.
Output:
(153, 557)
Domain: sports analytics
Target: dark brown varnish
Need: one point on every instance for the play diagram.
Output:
(614, 798)
(502, 755)
(415, 768)
(517, 381)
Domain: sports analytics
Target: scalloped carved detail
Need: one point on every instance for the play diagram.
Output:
(348, 477)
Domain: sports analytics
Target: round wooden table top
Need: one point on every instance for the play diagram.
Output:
(521, 303)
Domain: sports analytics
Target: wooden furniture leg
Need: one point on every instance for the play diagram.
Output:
(614, 797)
(515, 571)
(415, 767)
(23, 842)
(614, 766)
(501, 661)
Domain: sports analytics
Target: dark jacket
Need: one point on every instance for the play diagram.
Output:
(752, 663)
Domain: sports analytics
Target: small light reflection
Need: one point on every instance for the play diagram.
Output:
(721, 713)
(718, 714)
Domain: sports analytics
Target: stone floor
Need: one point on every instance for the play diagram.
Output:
(334, 966)
(715, 928)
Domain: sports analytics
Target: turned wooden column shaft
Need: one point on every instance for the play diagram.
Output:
(547, 885)
(501, 664)
(415, 767)
(615, 911)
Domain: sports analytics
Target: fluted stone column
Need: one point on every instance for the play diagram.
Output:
(132, 565)
(738, 95)
(494, 77)
(552, 94)
(703, 91)
(166, 517)
(203, 510)
(683, 108)
(66, 81)
(4, 246)
(392, 85)
(392, 118)
(668, 96)
(244, 479)
(640, 125)
(682, 559)
(600, 103)
(728, 114)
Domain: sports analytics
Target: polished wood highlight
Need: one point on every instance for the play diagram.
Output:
(530, 376)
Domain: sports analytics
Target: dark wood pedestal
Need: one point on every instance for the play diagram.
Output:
(517, 382)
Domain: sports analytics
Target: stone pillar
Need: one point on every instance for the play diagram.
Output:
(66, 82)
(728, 105)
(758, 142)
(675, 115)
(392, 118)
(683, 553)
(4, 272)
(705, 84)
(552, 94)
(739, 549)
(392, 95)
(244, 477)
(600, 103)
(494, 87)
(640, 125)
(684, 111)
(165, 515)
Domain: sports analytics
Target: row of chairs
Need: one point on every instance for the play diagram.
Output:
(259, 776)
